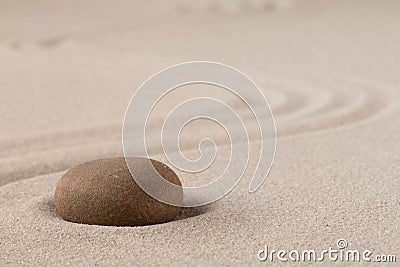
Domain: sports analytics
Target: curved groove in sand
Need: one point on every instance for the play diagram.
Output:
(318, 108)
(295, 110)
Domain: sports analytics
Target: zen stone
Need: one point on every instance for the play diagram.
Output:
(103, 192)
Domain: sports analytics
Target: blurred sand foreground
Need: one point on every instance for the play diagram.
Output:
(328, 68)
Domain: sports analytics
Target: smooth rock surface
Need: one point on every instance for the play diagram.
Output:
(103, 192)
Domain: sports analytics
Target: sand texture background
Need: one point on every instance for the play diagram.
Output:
(329, 69)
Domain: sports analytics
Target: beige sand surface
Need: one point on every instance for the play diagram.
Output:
(330, 70)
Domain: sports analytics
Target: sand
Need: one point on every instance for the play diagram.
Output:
(328, 69)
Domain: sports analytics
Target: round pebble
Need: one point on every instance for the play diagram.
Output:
(103, 192)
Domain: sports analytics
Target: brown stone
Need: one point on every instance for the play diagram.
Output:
(103, 192)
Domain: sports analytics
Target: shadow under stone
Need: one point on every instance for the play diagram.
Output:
(47, 206)
(192, 212)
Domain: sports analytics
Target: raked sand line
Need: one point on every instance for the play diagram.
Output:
(351, 102)
(345, 102)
